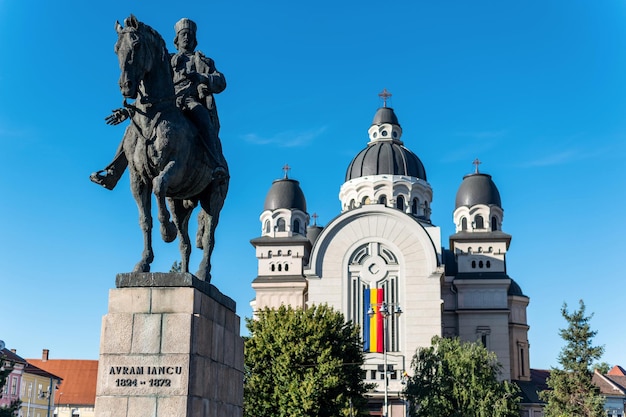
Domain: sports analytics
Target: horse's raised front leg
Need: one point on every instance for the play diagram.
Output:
(181, 212)
(143, 196)
(159, 187)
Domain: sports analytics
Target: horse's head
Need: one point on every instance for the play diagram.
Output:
(136, 49)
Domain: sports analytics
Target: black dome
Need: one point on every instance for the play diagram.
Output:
(285, 193)
(515, 289)
(477, 188)
(385, 115)
(385, 155)
(312, 232)
(380, 158)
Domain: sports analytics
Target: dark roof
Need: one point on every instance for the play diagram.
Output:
(482, 275)
(285, 193)
(312, 232)
(385, 115)
(385, 158)
(10, 356)
(530, 390)
(477, 188)
(515, 289)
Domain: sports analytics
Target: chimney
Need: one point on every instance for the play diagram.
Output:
(44, 355)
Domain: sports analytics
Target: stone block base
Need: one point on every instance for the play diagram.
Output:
(169, 346)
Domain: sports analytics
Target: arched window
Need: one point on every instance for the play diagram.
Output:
(464, 224)
(400, 203)
(383, 199)
(280, 225)
(415, 206)
(352, 204)
(365, 200)
(267, 226)
(280, 267)
(488, 264)
(286, 267)
(494, 224)
(473, 264)
(273, 267)
(479, 223)
(296, 226)
(381, 282)
(480, 264)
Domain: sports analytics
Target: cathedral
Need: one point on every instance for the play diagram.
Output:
(381, 261)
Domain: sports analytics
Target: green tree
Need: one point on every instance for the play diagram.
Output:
(459, 379)
(301, 363)
(6, 367)
(602, 367)
(176, 267)
(571, 391)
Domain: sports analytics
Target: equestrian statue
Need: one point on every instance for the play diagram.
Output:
(171, 146)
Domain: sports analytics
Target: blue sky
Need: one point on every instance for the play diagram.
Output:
(535, 89)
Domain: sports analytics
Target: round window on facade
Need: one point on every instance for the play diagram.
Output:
(384, 133)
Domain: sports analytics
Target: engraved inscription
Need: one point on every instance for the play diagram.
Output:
(144, 377)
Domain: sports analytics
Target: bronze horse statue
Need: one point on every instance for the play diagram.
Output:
(164, 150)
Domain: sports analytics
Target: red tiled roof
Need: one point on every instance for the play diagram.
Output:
(79, 379)
(617, 370)
(35, 370)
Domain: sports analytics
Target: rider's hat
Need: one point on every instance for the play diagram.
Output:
(185, 23)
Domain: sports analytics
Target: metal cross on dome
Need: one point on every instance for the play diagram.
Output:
(315, 216)
(286, 168)
(476, 162)
(384, 95)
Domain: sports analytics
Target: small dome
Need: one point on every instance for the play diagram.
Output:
(285, 193)
(312, 232)
(515, 289)
(386, 155)
(476, 189)
(385, 115)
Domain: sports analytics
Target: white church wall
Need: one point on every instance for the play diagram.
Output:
(495, 327)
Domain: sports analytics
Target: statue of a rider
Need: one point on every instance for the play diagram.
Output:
(195, 81)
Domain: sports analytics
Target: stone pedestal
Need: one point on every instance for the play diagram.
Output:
(170, 347)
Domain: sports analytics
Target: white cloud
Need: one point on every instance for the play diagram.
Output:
(557, 158)
(286, 139)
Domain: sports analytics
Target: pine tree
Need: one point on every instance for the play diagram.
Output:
(571, 391)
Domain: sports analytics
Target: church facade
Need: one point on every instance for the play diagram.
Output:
(381, 261)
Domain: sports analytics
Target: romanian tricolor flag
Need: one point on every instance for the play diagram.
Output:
(373, 326)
